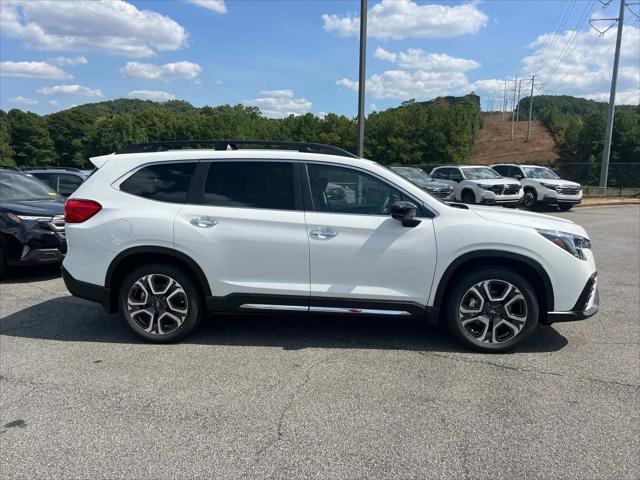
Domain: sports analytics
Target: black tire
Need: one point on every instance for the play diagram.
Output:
(530, 198)
(494, 326)
(565, 207)
(167, 330)
(468, 197)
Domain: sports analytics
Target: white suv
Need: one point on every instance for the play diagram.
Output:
(165, 237)
(542, 185)
(473, 184)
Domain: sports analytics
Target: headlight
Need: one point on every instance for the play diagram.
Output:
(484, 187)
(573, 244)
(549, 186)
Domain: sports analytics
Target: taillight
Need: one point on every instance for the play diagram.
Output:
(77, 210)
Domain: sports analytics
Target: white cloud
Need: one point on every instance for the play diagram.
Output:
(587, 66)
(417, 59)
(155, 95)
(277, 93)
(166, 72)
(81, 60)
(216, 6)
(112, 26)
(398, 19)
(71, 90)
(488, 87)
(53, 103)
(280, 103)
(33, 70)
(346, 83)
(20, 100)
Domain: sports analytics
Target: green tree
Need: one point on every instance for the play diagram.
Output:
(30, 139)
(6, 152)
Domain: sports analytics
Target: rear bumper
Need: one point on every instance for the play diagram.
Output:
(88, 291)
(41, 256)
(587, 305)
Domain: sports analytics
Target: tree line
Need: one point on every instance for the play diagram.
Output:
(578, 126)
(439, 131)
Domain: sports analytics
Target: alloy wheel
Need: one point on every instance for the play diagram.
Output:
(528, 199)
(493, 311)
(157, 303)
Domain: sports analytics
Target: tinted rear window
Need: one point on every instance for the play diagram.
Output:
(250, 185)
(167, 182)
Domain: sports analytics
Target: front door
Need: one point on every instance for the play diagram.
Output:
(358, 253)
(246, 229)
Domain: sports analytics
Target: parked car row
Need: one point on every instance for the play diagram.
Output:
(499, 184)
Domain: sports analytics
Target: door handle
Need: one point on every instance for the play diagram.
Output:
(323, 233)
(204, 222)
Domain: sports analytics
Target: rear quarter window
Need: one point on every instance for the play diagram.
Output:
(167, 182)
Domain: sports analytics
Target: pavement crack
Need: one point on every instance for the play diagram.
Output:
(293, 397)
(529, 370)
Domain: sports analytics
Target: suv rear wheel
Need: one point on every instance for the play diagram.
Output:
(160, 303)
(492, 310)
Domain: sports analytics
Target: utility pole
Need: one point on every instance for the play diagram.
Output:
(504, 101)
(513, 110)
(533, 80)
(518, 102)
(362, 76)
(604, 171)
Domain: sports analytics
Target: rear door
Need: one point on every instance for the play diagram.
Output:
(244, 224)
(359, 255)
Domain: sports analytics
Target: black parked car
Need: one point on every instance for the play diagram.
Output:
(437, 188)
(63, 180)
(31, 221)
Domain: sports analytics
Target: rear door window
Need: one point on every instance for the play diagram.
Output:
(251, 184)
(166, 182)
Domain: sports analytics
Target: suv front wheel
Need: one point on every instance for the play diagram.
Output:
(492, 310)
(160, 303)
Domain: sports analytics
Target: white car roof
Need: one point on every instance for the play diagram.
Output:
(204, 154)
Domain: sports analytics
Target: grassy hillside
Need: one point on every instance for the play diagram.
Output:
(493, 144)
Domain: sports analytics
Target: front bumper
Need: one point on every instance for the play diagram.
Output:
(41, 256)
(587, 305)
(88, 291)
(552, 197)
(490, 198)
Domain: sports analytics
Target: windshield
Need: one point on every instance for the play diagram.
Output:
(480, 173)
(412, 173)
(540, 172)
(17, 186)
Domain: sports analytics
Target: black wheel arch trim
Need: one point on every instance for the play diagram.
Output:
(186, 259)
(489, 254)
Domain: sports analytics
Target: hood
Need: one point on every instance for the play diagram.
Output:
(431, 184)
(46, 208)
(496, 181)
(556, 182)
(527, 219)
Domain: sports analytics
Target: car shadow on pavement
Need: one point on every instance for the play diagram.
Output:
(31, 274)
(75, 320)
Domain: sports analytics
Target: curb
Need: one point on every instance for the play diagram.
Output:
(605, 204)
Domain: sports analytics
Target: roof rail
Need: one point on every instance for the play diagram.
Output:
(71, 169)
(234, 145)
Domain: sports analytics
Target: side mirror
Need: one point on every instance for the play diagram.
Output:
(405, 212)
(518, 177)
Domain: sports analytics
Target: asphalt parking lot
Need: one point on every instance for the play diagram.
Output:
(320, 397)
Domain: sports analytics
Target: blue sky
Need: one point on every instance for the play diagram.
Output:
(298, 56)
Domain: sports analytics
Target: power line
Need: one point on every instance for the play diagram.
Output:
(572, 38)
(557, 33)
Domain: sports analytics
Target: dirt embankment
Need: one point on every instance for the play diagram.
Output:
(493, 144)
